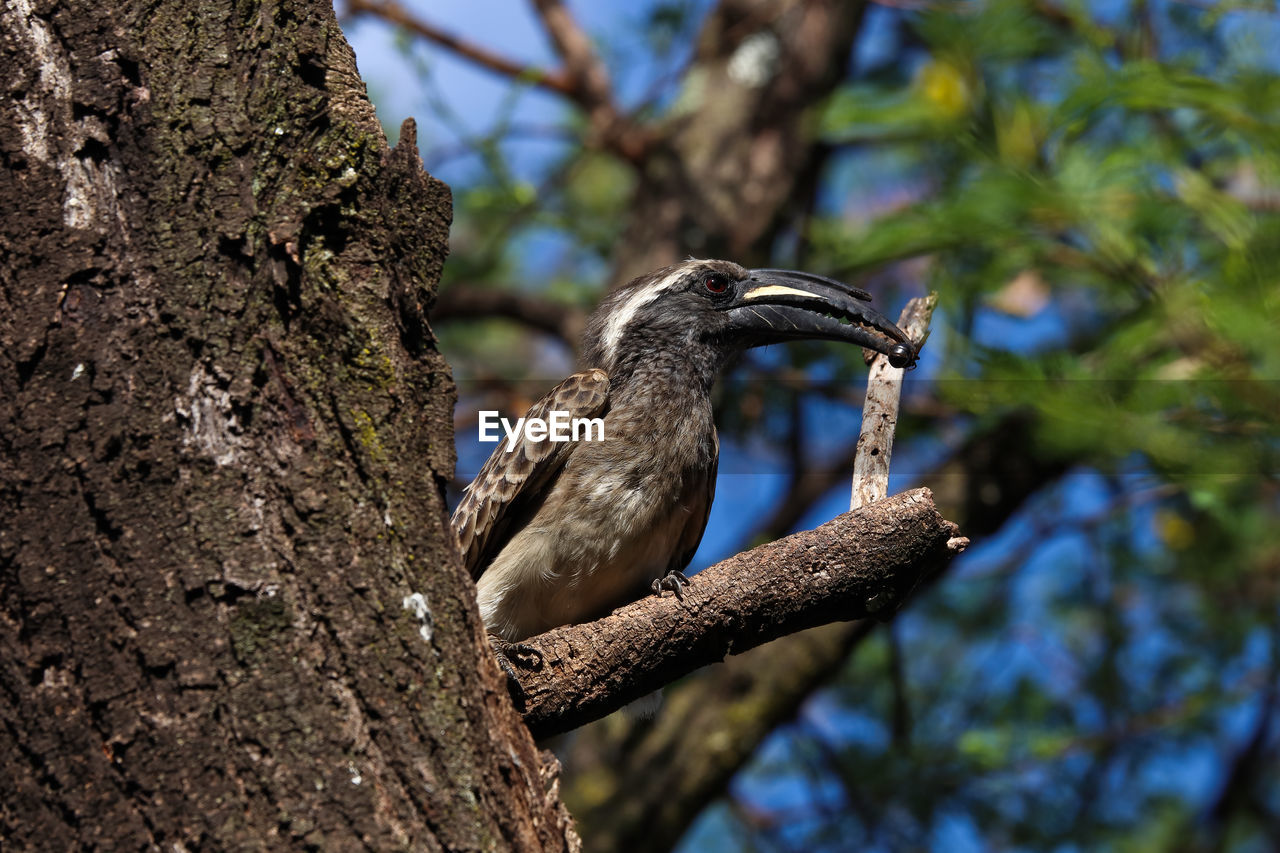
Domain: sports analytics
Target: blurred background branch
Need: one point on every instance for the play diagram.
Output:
(561, 321)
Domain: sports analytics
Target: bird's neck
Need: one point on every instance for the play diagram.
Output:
(666, 373)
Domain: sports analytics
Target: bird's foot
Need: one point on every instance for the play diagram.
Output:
(526, 656)
(673, 580)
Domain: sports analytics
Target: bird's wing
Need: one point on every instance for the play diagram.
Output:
(692, 534)
(511, 479)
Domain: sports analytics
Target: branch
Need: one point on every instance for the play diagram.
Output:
(858, 564)
(460, 302)
(581, 65)
(393, 12)
(880, 411)
(591, 88)
(583, 79)
(808, 483)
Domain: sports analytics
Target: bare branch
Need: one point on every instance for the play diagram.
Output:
(581, 64)
(583, 79)
(393, 12)
(460, 302)
(880, 412)
(592, 90)
(858, 564)
(869, 456)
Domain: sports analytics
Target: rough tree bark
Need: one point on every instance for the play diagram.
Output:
(859, 564)
(230, 614)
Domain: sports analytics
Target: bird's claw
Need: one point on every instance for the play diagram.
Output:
(673, 580)
(525, 655)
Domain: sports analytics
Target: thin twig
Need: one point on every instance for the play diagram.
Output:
(880, 412)
(585, 72)
(393, 12)
(581, 64)
(583, 79)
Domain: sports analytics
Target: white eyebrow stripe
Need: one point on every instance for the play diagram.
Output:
(623, 316)
(777, 290)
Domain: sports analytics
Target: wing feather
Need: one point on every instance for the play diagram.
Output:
(511, 484)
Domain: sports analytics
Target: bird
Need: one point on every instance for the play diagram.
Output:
(562, 532)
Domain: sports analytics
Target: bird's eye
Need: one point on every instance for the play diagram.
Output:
(715, 283)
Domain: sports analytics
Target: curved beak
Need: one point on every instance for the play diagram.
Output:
(781, 305)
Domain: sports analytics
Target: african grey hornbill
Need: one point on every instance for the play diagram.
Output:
(562, 532)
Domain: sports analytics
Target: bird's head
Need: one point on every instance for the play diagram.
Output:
(720, 307)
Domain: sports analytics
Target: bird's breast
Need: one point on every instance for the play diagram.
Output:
(640, 478)
(616, 517)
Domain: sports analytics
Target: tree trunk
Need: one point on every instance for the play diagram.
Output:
(232, 614)
(732, 160)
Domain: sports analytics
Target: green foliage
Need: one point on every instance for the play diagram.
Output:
(1139, 193)
(1115, 188)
